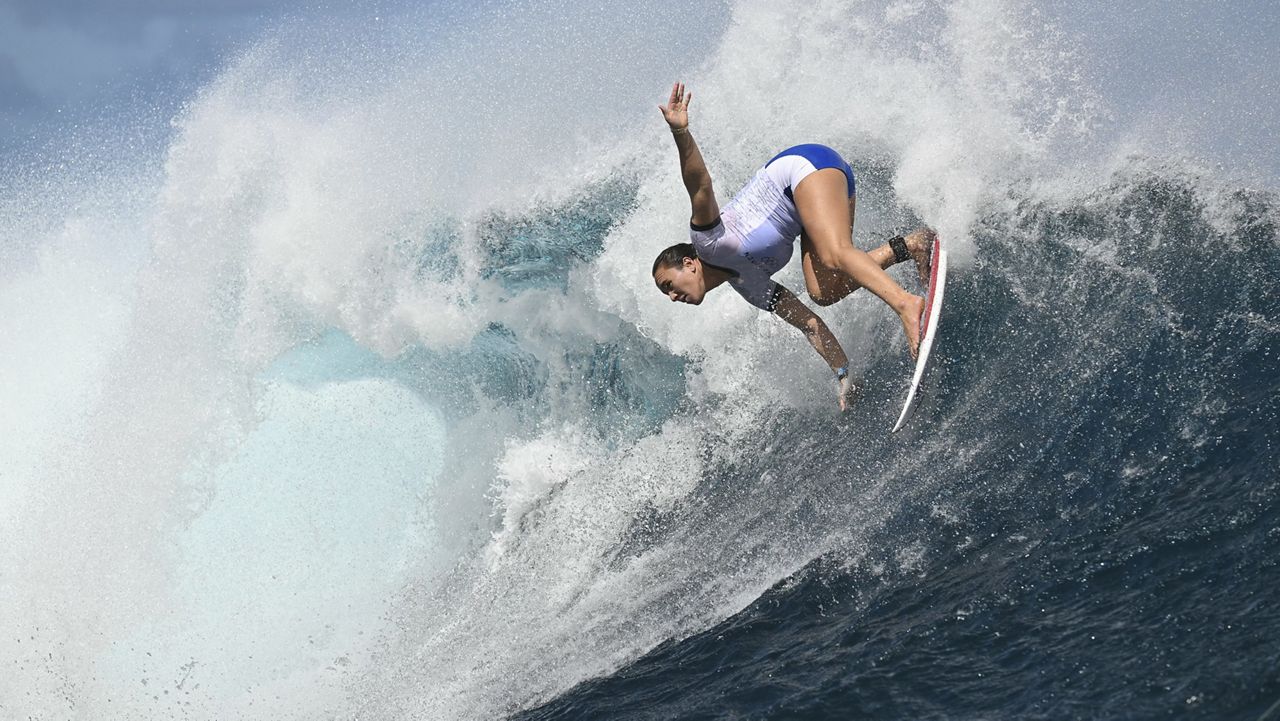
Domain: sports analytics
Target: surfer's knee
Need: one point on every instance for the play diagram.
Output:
(829, 254)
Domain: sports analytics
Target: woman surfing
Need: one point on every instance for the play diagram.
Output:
(806, 191)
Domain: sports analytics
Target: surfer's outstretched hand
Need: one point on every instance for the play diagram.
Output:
(849, 391)
(676, 111)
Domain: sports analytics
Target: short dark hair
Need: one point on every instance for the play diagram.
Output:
(674, 256)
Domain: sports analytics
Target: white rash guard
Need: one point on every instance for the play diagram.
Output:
(755, 234)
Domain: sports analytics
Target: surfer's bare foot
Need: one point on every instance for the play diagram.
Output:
(910, 315)
(920, 245)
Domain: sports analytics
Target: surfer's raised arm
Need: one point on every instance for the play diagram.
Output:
(697, 180)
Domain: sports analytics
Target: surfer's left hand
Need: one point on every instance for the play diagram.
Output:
(848, 392)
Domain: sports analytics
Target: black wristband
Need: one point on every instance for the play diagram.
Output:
(899, 246)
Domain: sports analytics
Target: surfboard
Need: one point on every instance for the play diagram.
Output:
(928, 328)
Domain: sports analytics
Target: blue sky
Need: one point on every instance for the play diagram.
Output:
(66, 64)
(1206, 66)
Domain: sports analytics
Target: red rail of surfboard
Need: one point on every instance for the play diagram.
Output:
(933, 282)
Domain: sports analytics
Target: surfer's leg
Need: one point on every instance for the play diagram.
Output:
(828, 285)
(822, 200)
(825, 285)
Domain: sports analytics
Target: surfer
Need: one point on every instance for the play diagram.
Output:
(807, 190)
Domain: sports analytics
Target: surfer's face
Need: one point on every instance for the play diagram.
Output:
(682, 283)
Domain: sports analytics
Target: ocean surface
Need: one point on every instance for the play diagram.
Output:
(354, 399)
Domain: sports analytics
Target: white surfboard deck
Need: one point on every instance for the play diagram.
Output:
(932, 310)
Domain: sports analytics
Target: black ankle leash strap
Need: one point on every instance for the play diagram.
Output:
(899, 246)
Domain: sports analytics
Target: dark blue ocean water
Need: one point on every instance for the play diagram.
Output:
(1091, 527)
